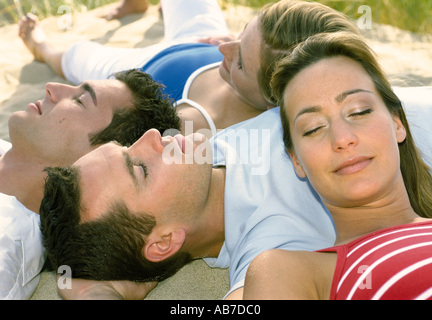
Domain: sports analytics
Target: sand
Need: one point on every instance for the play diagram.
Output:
(405, 56)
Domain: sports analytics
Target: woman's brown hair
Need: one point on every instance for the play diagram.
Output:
(416, 174)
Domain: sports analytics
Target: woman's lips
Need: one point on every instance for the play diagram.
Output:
(353, 165)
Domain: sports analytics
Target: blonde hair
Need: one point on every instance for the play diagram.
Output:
(287, 23)
(417, 178)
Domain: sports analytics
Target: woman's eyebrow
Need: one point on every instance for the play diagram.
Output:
(340, 98)
(311, 109)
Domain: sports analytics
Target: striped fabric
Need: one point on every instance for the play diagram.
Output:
(393, 263)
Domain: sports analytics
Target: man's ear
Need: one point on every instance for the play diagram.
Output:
(160, 246)
(297, 165)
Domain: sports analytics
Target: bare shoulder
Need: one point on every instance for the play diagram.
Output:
(192, 120)
(282, 274)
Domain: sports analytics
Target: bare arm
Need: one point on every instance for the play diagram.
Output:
(235, 295)
(290, 275)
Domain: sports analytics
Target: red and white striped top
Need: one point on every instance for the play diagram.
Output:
(392, 263)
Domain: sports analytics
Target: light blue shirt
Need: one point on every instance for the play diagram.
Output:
(266, 205)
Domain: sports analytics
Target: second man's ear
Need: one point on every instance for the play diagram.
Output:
(162, 245)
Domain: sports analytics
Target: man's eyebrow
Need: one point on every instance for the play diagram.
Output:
(129, 166)
(87, 87)
(340, 98)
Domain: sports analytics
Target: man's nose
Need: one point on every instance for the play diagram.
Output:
(55, 91)
(150, 141)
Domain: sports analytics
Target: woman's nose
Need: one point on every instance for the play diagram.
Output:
(343, 136)
(228, 49)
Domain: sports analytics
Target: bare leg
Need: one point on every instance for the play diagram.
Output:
(35, 40)
(125, 7)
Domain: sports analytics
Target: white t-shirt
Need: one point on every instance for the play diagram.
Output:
(21, 252)
(266, 205)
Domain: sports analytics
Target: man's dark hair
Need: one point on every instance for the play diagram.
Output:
(150, 109)
(107, 248)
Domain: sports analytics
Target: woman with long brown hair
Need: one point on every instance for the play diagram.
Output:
(346, 131)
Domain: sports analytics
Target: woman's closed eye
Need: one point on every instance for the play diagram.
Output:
(361, 113)
(310, 132)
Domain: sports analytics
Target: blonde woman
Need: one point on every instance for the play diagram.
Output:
(346, 131)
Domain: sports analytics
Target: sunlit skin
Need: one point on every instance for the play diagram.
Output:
(105, 175)
(54, 131)
(241, 64)
(230, 93)
(58, 126)
(124, 8)
(184, 197)
(346, 142)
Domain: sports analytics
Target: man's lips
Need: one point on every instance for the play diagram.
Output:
(353, 165)
(37, 106)
(178, 139)
(181, 141)
(225, 65)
